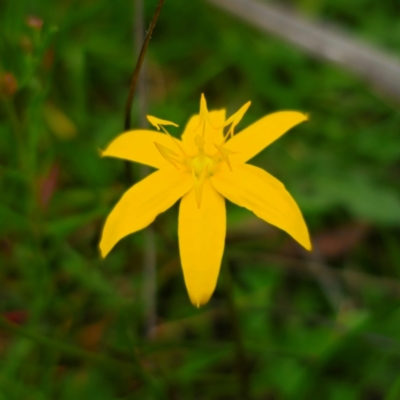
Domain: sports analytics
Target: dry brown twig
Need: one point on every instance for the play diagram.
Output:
(377, 67)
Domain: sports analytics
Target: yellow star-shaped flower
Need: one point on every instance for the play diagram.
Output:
(202, 169)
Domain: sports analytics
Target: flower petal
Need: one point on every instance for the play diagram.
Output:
(262, 133)
(138, 146)
(213, 135)
(141, 204)
(261, 193)
(201, 242)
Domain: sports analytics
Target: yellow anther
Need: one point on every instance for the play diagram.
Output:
(158, 123)
(235, 119)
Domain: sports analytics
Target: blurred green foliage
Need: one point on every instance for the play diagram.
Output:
(282, 324)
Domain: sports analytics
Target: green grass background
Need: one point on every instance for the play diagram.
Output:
(282, 324)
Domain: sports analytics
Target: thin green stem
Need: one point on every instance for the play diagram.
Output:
(154, 385)
(240, 353)
(62, 347)
(73, 351)
(16, 127)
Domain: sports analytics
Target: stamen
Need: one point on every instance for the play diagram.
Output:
(235, 119)
(176, 143)
(169, 155)
(225, 153)
(158, 123)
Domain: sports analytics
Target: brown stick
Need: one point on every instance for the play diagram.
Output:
(138, 67)
(377, 67)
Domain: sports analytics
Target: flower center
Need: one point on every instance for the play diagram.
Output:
(203, 165)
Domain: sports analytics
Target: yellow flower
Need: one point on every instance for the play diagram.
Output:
(203, 168)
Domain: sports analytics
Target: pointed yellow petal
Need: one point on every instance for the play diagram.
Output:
(212, 135)
(141, 204)
(189, 134)
(201, 242)
(258, 191)
(157, 122)
(203, 107)
(139, 146)
(262, 133)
